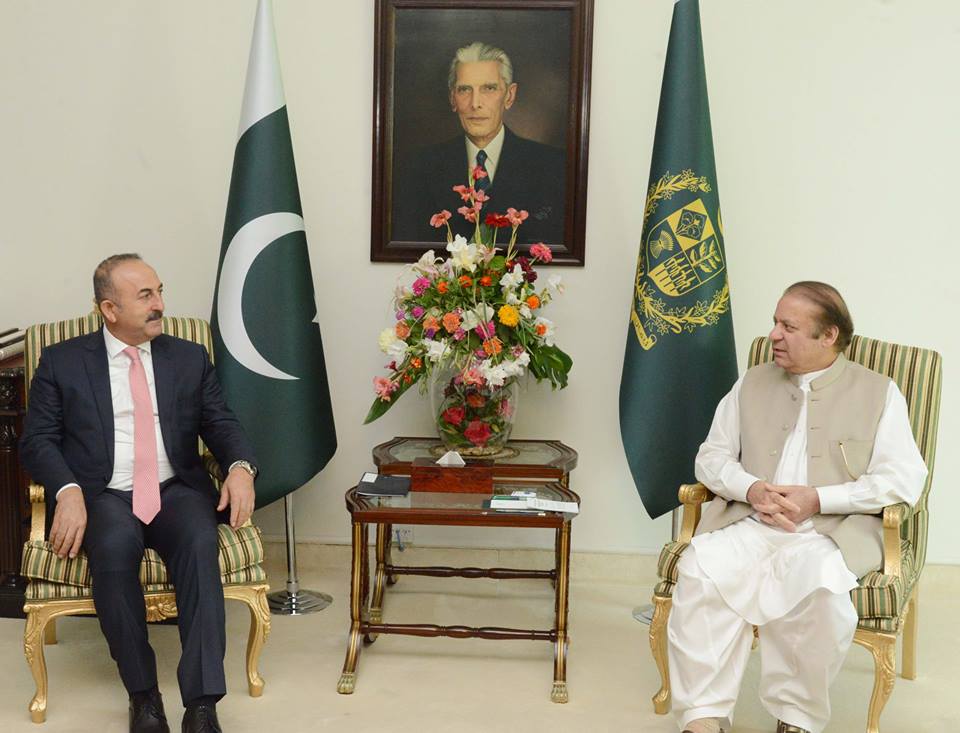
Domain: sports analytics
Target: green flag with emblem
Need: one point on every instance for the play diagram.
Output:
(269, 354)
(680, 358)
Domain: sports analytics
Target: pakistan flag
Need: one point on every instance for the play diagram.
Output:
(269, 354)
(680, 357)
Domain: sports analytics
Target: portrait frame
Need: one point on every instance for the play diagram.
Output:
(550, 44)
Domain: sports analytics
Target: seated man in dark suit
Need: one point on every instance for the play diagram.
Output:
(111, 432)
(521, 173)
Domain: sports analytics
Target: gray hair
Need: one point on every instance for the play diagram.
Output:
(480, 51)
(103, 276)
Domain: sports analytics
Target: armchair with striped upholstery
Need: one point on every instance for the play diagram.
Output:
(886, 600)
(62, 587)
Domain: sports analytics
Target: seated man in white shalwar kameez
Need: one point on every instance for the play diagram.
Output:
(802, 454)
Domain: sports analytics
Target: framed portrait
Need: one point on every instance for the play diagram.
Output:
(504, 84)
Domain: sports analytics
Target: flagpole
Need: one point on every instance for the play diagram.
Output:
(295, 601)
(644, 613)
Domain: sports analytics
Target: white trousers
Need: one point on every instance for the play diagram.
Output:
(709, 646)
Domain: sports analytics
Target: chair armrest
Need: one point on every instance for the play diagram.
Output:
(893, 516)
(692, 496)
(38, 512)
(211, 466)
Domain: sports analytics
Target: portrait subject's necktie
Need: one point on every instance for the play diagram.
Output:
(482, 184)
(146, 473)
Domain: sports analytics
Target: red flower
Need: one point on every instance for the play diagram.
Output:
(465, 192)
(486, 281)
(438, 220)
(497, 220)
(454, 415)
(476, 400)
(478, 173)
(477, 432)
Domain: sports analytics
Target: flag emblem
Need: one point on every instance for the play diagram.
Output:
(681, 255)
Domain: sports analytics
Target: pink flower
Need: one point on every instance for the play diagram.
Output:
(384, 388)
(541, 252)
(473, 377)
(505, 408)
(438, 220)
(516, 218)
(479, 197)
(478, 173)
(417, 311)
(477, 432)
(400, 315)
(459, 335)
(465, 192)
(485, 330)
(420, 285)
(454, 415)
(468, 213)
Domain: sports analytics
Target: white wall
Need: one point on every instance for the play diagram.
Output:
(835, 131)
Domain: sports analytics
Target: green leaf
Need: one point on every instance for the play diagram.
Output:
(379, 407)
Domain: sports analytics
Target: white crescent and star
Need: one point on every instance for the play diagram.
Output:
(249, 241)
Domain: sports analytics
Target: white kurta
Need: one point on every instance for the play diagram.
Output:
(750, 573)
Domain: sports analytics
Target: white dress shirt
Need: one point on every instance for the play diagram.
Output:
(122, 398)
(493, 149)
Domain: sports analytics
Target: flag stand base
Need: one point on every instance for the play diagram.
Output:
(293, 601)
(644, 613)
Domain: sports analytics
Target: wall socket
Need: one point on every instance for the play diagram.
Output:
(402, 536)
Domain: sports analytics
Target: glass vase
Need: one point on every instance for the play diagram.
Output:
(472, 419)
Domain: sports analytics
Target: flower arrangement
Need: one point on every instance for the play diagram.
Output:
(472, 324)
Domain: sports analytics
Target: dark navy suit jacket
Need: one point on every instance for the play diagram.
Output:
(68, 430)
(529, 175)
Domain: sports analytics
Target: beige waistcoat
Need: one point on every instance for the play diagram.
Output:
(844, 406)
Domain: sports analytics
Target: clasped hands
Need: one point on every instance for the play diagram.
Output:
(783, 506)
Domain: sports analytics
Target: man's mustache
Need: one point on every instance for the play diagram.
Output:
(155, 316)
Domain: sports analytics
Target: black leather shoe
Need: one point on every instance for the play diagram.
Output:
(146, 713)
(201, 718)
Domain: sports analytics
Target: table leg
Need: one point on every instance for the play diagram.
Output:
(559, 691)
(379, 579)
(391, 579)
(348, 676)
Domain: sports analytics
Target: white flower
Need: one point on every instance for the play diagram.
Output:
(512, 279)
(397, 350)
(511, 297)
(514, 368)
(523, 359)
(549, 329)
(555, 282)
(463, 255)
(484, 312)
(470, 321)
(427, 262)
(495, 375)
(387, 338)
(435, 349)
(525, 311)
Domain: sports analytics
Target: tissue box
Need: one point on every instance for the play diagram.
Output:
(474, 478)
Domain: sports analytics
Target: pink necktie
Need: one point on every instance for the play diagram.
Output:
(146, 474)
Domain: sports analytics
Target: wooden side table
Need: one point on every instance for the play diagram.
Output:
(539, 466)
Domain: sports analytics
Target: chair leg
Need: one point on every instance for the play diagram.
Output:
(50, 632)
(910, 625)
(256, 599)
(658, 645)
(884, 650)
(33, 637)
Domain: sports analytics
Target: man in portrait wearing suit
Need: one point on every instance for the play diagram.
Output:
(801, 455)
(111, 432)
(521, 173)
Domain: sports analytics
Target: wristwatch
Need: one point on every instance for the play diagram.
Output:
(246, 466)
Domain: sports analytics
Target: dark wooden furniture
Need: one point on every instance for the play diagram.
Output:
(541, 466)
(14, 503)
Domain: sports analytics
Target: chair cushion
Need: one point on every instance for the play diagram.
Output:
(879, 598)
(240, 552)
